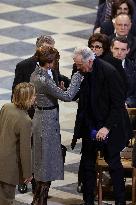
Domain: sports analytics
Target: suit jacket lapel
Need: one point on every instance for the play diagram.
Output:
(55, 77)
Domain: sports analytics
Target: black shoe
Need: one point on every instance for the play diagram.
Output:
(22, 188)
(120, 203)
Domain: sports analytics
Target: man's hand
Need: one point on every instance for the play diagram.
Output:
(102, 134)
(61, 85)
(73, 143)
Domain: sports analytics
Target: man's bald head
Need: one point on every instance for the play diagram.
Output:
(122, 24)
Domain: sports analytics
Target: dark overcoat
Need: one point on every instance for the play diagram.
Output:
(102, 104)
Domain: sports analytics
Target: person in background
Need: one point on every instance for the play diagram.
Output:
(15, 142)
(122, 27)
(120, 49)
(47, 155)
(99, 44)
(120, 7)
(103, 14)
(101, 107)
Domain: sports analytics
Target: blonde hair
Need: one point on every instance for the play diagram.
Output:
(23, 94)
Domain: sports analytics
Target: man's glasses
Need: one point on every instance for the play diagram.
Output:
(96, 47)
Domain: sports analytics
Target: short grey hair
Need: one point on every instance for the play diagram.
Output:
(85, 52)
(44, 39)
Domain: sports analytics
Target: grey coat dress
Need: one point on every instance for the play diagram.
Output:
(47, 154)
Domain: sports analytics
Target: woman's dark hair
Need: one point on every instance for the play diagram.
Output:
(102, 38)
(46, 54)
(116, 5)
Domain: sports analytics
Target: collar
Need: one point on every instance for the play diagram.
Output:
(123, 63)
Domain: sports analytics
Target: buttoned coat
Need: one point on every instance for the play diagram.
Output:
(47, 153)
(15, 144)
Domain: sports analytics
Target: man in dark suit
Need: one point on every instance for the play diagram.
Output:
(23, 71)
(120, 49)
(122, 27)
(102, 108)
(25, 68)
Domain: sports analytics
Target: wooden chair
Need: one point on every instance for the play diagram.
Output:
(134, 187)
(127, 164)
(132, 111)
(103, 166)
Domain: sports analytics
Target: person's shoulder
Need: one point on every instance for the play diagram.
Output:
(23, 117)
(26, 61)
(106, 65)
(130, 64)
(8, 105)
(131, 37)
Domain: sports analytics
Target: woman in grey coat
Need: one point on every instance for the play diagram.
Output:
(47, 154)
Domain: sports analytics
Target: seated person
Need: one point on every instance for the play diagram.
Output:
(120, 7)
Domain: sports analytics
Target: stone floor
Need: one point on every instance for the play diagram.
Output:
(70, 22)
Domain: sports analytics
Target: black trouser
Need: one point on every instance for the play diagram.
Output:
(88, 160)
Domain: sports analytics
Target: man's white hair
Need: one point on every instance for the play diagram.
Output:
(85, 52)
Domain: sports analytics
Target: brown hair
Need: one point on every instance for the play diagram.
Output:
(116, 5)
(46, 55)
(44, 39)
(102, 38)
(22, 95)
(121, 39)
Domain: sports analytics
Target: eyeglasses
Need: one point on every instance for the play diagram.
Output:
(96, 47)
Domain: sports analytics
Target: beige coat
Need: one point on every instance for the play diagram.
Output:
(15, 144)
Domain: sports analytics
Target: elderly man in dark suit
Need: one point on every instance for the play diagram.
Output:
(102, 108)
